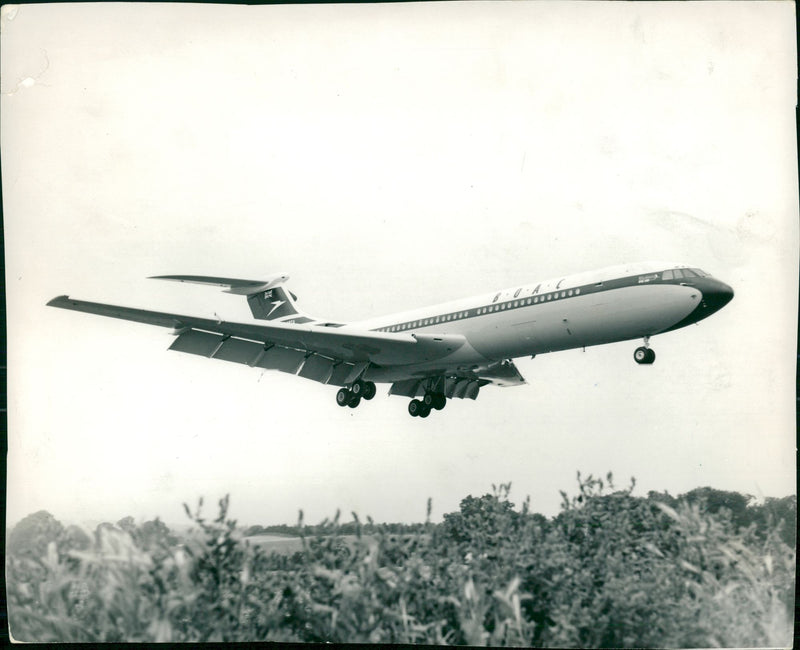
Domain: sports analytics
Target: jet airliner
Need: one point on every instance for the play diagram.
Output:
(446, 351)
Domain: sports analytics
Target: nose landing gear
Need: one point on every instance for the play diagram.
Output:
(644, 355)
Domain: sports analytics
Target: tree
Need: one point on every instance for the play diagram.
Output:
(154, 534)
(713, 501)
(128, 524)
(34, 533)
(75, 537)
(480, 519)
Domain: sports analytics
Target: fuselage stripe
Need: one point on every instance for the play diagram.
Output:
(533, 299)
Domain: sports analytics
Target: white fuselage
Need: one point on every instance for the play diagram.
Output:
(557, 314)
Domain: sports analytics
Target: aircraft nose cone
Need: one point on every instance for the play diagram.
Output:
(716, 295)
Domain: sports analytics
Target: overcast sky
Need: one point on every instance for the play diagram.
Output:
(388, 157)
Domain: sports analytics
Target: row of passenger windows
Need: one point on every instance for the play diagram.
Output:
(529, 301)
(482, 310)
(425, 321)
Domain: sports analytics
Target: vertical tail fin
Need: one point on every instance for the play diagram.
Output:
(274, 304)
(268, 300)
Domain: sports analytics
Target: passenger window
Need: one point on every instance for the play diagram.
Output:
(569, 293)
(563, 293)
(577, 291)
(666, 275)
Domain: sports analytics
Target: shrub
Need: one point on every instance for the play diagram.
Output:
(611, 570)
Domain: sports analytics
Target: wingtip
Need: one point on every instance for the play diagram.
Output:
(58, 301)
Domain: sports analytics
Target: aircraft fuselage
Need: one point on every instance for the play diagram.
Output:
(615, 304)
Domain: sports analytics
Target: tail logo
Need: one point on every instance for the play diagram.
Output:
(275, 305)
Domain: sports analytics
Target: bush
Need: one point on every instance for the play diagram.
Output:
(611, 570)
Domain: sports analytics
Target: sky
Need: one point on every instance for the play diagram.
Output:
(390, 157)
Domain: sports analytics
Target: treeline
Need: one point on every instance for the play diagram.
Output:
(708, 569)
(777, 514)
(347, 528)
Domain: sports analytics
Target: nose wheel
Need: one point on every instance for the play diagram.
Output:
(644, 356)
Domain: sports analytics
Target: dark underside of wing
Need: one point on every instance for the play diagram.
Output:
(323, 354)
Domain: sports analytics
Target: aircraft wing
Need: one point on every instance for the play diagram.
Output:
(329, 355)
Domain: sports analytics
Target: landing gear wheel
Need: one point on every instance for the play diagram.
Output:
(369, 390)
(428, 400)
(439, 401)
(425, 411)
(343, 397)
(415, 408)
(644, 356)
(355, 400)
(358, 388)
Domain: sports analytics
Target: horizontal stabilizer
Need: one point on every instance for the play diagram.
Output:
(235, 286)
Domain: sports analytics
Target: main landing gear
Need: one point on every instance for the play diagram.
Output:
(644, 355)
(358, 390)
(422, 408)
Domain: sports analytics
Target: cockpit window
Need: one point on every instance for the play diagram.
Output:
(666, 275)
(702, 273)
(677, 273)
(688, 273)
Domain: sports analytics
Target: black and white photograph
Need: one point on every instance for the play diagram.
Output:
(436, 323)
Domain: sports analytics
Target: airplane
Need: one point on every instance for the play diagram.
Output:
(446, 351)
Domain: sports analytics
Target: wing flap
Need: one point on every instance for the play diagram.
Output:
(238, 351)
(194, 342)
(280, 358)
(317, 368)
(216, 346)
(502, 373)
(340, 374)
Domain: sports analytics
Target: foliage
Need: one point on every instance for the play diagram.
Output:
(33, 534)
(611, 570)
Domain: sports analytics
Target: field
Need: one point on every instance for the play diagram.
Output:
(282, 544)
(708, 569)
(287, 545)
